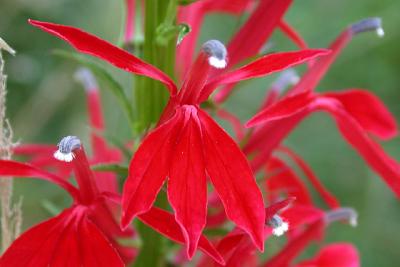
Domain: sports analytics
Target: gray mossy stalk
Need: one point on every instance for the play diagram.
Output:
(11, 214)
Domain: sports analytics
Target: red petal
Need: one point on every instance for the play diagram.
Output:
(369, 112)
(252, 36)
(314, 75)
(261, 67)
(193, 15)
(292, 34)
(300, 215)
(164, 223)
(148, 170)
(351, 130)
(228, 6)
(94, 108)
(66, 240)
(92, 45)
(234, 121)
(334, 255)
(84, 176)
(187, 187)
(233, 180)
(195, 80)
(287, 107)
(269, 136)
(34, 149)
(281, 179)
(18, 169)
(97, 250)
(372, 152)
(329, 199)
(273, 209)
(41, 156)
(295, 246)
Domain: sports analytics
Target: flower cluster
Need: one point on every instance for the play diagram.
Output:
(209, 178)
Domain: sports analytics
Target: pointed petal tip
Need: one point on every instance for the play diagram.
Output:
(125, 222)
(368, 24)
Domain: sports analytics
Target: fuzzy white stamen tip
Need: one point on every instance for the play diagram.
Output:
(279, 227)
(66, 147)
(280, 230)
(216, 52)
(217, 63)
(68, 157)
(380, 32)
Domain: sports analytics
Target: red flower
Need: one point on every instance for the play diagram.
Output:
(188, 145)
(356, 112)
(333, 255)
(238, 249)
(84, 234)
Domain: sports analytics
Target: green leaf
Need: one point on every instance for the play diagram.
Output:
(102, 74)
(115, 168)
(166, 33)
(184, 29)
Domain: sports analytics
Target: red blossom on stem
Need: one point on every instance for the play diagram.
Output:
(356, 112)
(188, 139)
(87, 231)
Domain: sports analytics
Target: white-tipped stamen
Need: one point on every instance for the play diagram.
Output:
(342, 214)
(369, 24)
(66, 147)
(217, 63)
(279, 227)
(85, 76)
(285, 79)
(217, 53)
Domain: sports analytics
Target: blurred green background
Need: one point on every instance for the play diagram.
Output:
(45, 103)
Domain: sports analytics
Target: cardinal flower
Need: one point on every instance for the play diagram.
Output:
(84, 234)
(238, 249)
(309, 224)
(357, 113)
(187, 146)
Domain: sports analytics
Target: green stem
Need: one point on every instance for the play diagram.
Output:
(153, 245)
(151, 96)
(150, 99)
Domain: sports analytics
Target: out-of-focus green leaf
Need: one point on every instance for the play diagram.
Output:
(102, 74)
